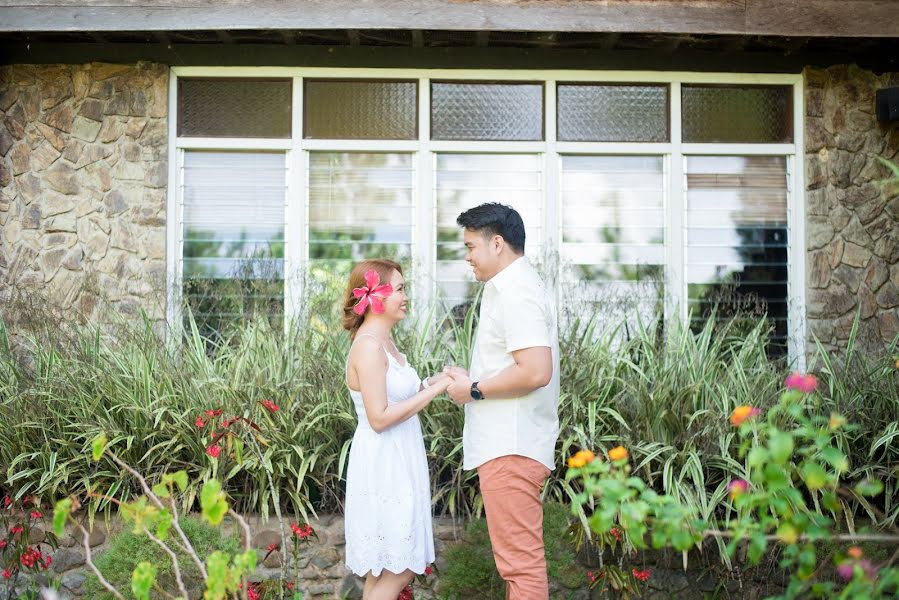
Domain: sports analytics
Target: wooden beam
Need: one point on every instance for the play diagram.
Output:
(813, 18)
(353, 36)
(482, 38)
(224, 37)
(289, 38)
(609, 40)
(417, 39)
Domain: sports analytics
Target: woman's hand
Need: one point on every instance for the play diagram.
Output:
(440, 381)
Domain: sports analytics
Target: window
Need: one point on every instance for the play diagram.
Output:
(643, 194)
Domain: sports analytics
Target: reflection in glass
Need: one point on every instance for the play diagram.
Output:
(232, 237)
(467, 180)
(226, 107)
(737, 235)
(613, 235)
(360, 206)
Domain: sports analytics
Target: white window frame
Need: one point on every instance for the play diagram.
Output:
(674, 153)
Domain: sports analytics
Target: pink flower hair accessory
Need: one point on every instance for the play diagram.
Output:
(372, 294)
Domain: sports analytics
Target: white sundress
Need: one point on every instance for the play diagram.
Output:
(388, 494)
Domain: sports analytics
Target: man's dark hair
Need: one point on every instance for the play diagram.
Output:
(495, 219)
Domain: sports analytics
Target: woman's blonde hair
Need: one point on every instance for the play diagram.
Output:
(384, 268)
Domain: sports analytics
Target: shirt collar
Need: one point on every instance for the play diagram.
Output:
(509, 274)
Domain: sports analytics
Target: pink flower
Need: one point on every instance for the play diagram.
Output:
(199, 422)
(429, 571)
(6, 574)
(803, 383)
(16, 530)
(301, 532)
(641, 575)
(2, 544)
(272, 547)
(213, 413)
(591, 576)
(373, 293)
(7, 501)
(616, 533)
(271, 406)
(36, 515)
(252, 594)
(289, 585)
(737, 487)
(214, 451)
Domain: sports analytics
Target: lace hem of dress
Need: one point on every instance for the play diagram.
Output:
(393, 564)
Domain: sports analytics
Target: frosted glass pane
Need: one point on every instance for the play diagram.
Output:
(467, 180)
(486, 111)
(374, 110)
(232, 236)
(737, 235)
(613, 113)
(360, 206)
(252, 108)
(737, 114)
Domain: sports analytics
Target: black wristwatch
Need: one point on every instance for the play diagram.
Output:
(476, 392)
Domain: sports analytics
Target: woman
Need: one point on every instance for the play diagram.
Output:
(388, 501)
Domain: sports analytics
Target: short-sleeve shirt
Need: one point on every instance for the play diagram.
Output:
(516, 313)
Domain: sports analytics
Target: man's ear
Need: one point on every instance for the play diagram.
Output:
(498, 242)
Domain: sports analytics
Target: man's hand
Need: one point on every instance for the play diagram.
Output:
(460, 388)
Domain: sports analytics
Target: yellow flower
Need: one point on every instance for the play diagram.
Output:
(836, 421)
(618, 453)
(587, 455)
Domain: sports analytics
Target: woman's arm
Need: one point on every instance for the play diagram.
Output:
(369, 362)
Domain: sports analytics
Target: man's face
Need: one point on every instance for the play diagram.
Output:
(482, 253)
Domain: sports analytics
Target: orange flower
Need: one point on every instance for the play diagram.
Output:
(618, 453)
(741, 413)
(580, 459)
(854, 552)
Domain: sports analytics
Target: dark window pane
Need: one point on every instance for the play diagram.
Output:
(374, 110)
(248, 108)
(612, 113)
(737, 114)
(487, 111)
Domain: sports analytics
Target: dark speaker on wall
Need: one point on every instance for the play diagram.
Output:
(887, 103)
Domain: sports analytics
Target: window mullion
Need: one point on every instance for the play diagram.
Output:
(675, 286)
(294, 218)
(552, 201)
(424, 232)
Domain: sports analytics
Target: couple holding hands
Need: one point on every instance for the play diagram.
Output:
(509, 395)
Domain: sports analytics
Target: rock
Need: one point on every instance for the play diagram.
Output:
(21, 159)
(61, 223)
(61, 118)
(92, 109)
(840, 217)
(6, 142)
(881, 226)
(66, 559)
(8, 96)
(32, 217)
(50, 262)
(86, 129)
(819, 232)
(92, 154)
(273, 560)
(44, 156)
(73, 150)
(115, 203)
(854, 232)
(867, 303)
(848, 276)
(157, 175)
(855, 255)
(814, 172)
(15, 122)
(888, 323)
(97, 537)
(125, 170)
(138, 107)
(29, 186)
(888, 297)
(876, 274)
(887, 247)
(73, 581)
(111, 130)
(351, 587)
(54, 204)
(135, 127)
(62, 179)
(265, 538)
(830, 302)
(324, 558)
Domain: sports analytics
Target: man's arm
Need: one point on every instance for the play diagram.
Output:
(532, 370)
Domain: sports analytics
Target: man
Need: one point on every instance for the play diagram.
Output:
(510, 396)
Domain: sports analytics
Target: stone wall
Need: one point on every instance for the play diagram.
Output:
(83, 171)
(852, 222)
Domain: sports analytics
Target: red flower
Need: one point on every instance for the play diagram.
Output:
(301, 532)
(213, 413)
(616, 533)
(271, 406)
(252, 594)
(36, 515)
(272, 547)
(372, 294)
(30, 557)
(2, 544)
(591, 576)
(48, 560)
(289, 585)
(7, 501)
(641, 575)
(199, 422)
(803, 383)
(214, 451)
(6, 574)
(16, 530)
(429, 571)
(406, 594)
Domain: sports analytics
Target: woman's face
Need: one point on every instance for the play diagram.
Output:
(395, 304)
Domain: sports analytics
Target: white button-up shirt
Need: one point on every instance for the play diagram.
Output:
(516, 313)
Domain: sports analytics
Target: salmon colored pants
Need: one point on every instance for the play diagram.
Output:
(511, 486)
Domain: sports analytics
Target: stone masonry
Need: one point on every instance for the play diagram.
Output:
(83, 172)
(852, 221)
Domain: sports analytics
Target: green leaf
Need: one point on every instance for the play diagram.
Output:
(869, 487)
(245, 562)
(682, 540)
(757, 457)
(161, 490)
(97, 446)
(213, 502)
(180, 479)
(298, 596)
(61, 512)
(835, 458)
(216, 575)
(814, 475)
(830, 502)
(142, 580)
(164, 524)
(781, 446)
